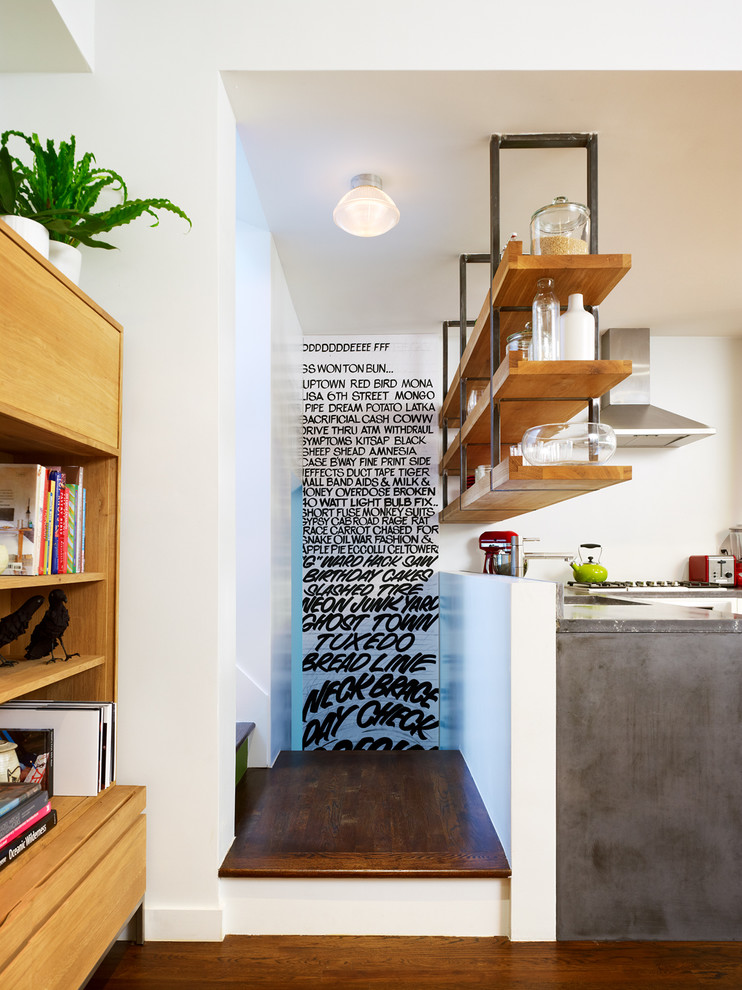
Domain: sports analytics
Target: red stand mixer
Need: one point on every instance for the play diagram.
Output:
(734, 544)
(502, 553)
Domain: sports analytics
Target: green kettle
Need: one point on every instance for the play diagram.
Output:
(587, 571)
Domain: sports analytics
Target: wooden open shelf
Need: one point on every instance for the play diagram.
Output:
(517, 488)
(64, 900)
(531, 393)
(514, 284)
(526, 393)
(31, 675)
(43, 580)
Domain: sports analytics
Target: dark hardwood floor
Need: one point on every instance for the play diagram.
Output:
(401, 814)
(363, 813)
(376, 963)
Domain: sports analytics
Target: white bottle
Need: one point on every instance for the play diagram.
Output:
(577, 331)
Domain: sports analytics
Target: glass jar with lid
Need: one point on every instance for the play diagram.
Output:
(521, 342)
(561, 228)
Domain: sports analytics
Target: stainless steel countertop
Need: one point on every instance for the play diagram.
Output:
(596, 612)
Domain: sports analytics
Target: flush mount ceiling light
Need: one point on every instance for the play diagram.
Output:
(366, 211)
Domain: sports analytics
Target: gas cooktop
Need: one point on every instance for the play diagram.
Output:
(651, 585)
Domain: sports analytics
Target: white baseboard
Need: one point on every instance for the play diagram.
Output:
(463, 908)
(187, 925)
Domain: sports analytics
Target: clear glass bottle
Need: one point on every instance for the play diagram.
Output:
(545, 322)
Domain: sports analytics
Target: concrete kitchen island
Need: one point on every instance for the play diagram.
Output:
(649, 789)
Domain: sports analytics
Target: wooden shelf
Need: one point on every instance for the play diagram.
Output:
(46, 580)
(65, 899)
(31, 675)
(514, 284)
(531, 393)
(517, 488)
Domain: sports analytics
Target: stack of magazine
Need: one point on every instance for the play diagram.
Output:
(82, 740)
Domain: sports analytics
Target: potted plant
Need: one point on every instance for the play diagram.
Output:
(61, 191)
(11, 210)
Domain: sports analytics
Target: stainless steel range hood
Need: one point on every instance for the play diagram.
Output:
(627, 407)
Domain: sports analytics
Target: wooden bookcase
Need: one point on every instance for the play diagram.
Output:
(65, 899)
(528, 393)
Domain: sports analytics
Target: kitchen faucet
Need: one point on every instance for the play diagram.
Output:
(521, 557)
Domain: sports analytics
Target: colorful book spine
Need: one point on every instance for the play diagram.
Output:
(20, 815)
(27, 838)
(24, 826)
(83, 519)
(13, 795)
(63, 525)
(57, 478)
(61, 522)
(42, 528)
(49, 526)
(71, 528)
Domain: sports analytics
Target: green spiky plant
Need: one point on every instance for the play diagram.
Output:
(61, 192)
(8, 184)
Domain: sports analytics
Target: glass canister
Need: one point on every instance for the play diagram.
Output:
(561, 228)
(547, 343)
(521, 343)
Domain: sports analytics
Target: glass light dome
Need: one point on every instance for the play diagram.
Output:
(366, 211)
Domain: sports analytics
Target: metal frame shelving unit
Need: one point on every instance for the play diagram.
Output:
(498, 143)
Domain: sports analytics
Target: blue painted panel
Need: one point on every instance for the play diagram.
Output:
(475, 685)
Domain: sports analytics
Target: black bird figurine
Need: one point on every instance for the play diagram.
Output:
(14, 625)
(48, 633)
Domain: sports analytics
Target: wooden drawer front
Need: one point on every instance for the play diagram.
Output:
(66, 948)
(59, 357)
(60, 914)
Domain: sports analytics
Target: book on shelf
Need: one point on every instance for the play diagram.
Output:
(62, 528)
(34, 751)
(72, 520)
(81, 538)
(56, 483)
(21, 514)
(27, 838)
(23, 813)
(74, 477)
(62, 520)
(33, 819)
(12, 795)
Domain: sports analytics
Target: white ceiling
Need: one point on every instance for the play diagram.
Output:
(46, 35)
(670, 165)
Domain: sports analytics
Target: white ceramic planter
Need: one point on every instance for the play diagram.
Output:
(30, 230)
(67, 259)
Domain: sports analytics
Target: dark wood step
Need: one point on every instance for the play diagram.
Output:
(414, 813)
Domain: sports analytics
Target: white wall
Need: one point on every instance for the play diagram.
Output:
(153, 110)
(252, 461)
